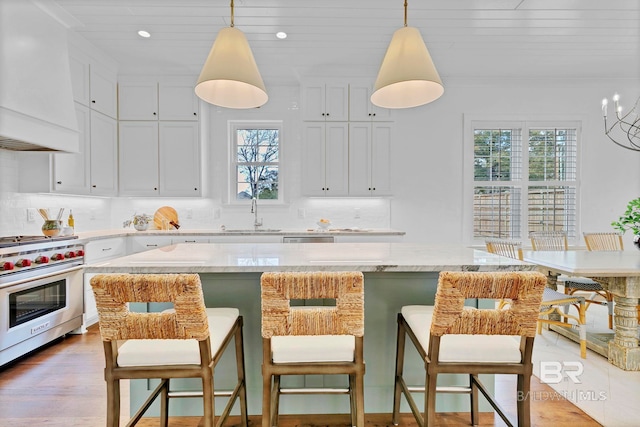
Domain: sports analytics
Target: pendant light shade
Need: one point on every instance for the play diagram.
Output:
(230, 76)
(407, 77)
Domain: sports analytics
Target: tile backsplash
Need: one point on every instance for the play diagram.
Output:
(100, 213)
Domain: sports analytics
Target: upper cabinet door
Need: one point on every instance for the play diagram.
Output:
(179, 151)
(178, 101)
(103, 91)
(138, 166)
(104, 155)
(360, 106)
(72, 170)
(325, 102)
(80, 80)
(138, 101)
(337, 102)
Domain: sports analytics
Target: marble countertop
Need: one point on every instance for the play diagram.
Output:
(123, 232)
(261, 257)
(588, 263)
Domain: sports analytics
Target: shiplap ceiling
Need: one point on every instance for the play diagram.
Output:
(347, 38)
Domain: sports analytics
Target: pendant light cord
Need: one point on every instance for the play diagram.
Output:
(405, 12)
(405, 18)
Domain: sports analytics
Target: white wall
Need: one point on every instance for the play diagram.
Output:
(427, 167)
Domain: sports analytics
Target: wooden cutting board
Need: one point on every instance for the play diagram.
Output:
(166, 215)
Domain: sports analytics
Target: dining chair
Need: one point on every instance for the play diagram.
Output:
(603, 241)
(312, 340)
(454, 339)
(186, 341)
(552, 300)
(557, 241)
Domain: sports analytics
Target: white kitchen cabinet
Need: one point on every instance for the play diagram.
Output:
(72, 171)
(254, 238)
(326, 159)
(93, 84)
(159, 159)
(93, 170)
(325, 102)
(189, 239)
(103, 90)
(98, 251)
(146, 243)
(361, 108)
(138, 101)
(138, 159)
(179, 159)
(177, 101)
(369, 159)
(150, 100)
(104, 155)
(79, 68)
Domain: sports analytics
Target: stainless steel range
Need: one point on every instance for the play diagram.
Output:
(41, 292)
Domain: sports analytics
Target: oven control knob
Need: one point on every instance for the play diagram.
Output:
(70, 254)
(8, 265)
(80, 252)
(42, 259)
(23, 263)
(57, 257)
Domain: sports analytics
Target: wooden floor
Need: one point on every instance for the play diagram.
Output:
(62, 385)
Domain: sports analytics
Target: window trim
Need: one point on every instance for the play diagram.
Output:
(232, 126)
(525, 123)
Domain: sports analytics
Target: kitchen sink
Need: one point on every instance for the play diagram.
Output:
(251, 230)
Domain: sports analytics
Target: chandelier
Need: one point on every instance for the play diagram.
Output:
(625, 130)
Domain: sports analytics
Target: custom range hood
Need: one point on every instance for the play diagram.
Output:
(37, 111)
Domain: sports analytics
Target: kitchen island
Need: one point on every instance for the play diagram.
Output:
(396, 274)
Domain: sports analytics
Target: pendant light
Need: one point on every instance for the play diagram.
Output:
(230, 76)
(407, 77)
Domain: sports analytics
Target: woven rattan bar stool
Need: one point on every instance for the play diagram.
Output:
(552, 300)
(452, 339)
(184, 342)
(312, 340)
(557, 241)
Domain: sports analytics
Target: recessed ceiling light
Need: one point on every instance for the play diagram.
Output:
(281, 35)
(143, 33)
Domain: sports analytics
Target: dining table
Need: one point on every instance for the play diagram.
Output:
(619, 273)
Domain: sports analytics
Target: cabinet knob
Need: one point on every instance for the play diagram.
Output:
(369, 188)
(195, 189)
(374, 114)
(94, 186)
(155, 188)
(93, 101)
(374, 188)
(154, 113)
(195, 114)
(59, 182)
(323, 114)
(370, 114)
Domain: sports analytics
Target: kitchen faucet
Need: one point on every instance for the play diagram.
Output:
(254, 211)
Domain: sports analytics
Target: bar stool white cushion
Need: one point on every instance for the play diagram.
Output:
(178, 352)
(462, 348)
(312, 348)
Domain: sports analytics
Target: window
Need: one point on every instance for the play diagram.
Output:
(524, 178)
(255, 161)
